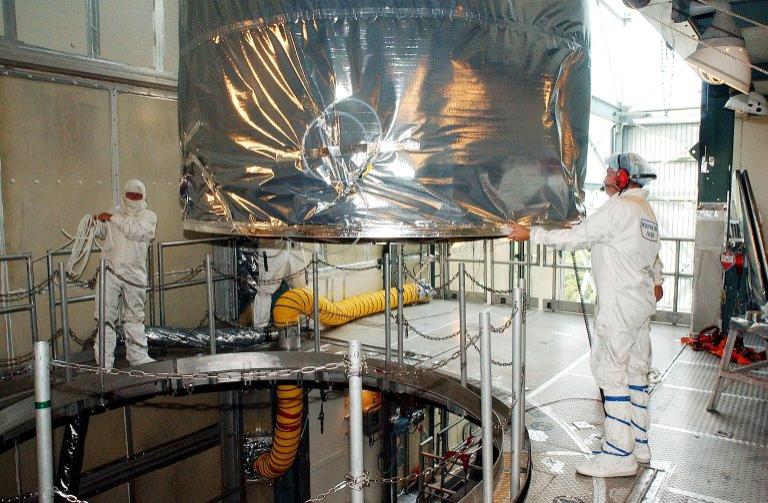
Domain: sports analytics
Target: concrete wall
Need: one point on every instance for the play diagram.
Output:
(58, 165)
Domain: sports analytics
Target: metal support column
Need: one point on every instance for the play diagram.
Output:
(43, 433)
(462, 324)
(102, 322)
(316, 302)
(161, 284)
(64, 318)
(486, 404)
(129, 451)
(151, 282)
(51, 302)
(518, 410)
(355, 419)
(231, 431)
(32, 300)
(400, 326)
(211, 305)
(488, 269)
(387, 303)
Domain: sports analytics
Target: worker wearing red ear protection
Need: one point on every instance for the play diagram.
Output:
(623, 237)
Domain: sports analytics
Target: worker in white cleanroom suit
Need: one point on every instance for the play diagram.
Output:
(127, 231)
(284, 261)
(623, 236)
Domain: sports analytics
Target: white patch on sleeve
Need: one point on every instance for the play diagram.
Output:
(649, 229)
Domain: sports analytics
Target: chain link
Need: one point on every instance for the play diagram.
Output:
(364, 480)
(377, 265)
(213, 377)
(18, 295)
(487, 288)
(69, 497)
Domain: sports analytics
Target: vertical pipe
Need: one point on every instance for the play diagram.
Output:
(32, 300)
(488, 269)
(64, 318)
(128, 425)
(554, 280)
(462, 324)
(400, 331)
(51, 302)
(102, 315)
(445, 268)
(677, 282)
(486, 403)
(43, 423)
(387, 303)
(315, 302)
(151, 281)
(161, 283)
(235, 293)
(517, 417)
(211, 306)
(17, 462)
(355, 417)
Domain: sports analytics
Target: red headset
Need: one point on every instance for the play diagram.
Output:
(622, 176)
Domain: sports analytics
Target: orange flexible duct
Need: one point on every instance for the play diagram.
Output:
(287, 434)
(298, 301)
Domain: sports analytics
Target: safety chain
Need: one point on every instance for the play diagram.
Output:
(21, 370)
(189, 275)
(69, 497)
(436, 287)
(377, 265)
(362, 481)
(487, 288)
(21, 498)
(213, 377)
(18, 295)
(417, 370)
(354, 370)
(27, 357)
(410, 328)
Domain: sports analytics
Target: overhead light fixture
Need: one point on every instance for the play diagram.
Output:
(721, 56)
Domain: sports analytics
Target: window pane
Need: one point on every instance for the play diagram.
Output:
(59, 25)
(127, 31)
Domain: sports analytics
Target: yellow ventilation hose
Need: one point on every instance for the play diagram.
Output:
(287, 434)
(298, 301)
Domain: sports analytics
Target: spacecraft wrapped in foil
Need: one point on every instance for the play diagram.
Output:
(382, 120)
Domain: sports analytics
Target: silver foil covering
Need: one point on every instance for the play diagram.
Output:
(408, 119)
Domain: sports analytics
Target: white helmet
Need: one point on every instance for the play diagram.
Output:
(638, 168)
(752, 103)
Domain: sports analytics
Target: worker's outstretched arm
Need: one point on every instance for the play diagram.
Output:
(596, 228)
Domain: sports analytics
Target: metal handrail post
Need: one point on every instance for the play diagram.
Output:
(211, 305)
(316, 302)
(161, 283)
(51, 302)
(676, 291)
(400, 327)
(463, 324)
(486, 404)
(488, 270)
(102, 321)
(517, 417)
(151, 282)
(387, 304)
(64, 318)
(355, 418)
(43, 434)
(32, 301)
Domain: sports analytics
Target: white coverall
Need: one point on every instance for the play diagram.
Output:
(279, 263)
(623, 237)
(126, 239)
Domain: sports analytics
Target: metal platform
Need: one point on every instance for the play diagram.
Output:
(698, 456)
